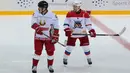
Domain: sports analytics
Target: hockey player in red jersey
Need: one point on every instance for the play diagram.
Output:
(78, 21)
(44, 23)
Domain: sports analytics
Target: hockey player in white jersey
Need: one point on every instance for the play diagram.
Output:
(44, 23)
(78, 21)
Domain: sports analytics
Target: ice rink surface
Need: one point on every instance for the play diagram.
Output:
(108, 55)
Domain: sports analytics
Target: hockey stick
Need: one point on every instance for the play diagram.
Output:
(121, 32)
(51, 38)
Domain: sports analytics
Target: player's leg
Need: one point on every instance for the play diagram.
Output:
(70, 44)
(84, 43)
(50, 48)
(38, 46)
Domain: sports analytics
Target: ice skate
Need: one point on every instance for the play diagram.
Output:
(34, 69)
(51, 70)
(89, 61)
(65, 61)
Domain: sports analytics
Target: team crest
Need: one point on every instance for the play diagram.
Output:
(42, 23)
(77, 24)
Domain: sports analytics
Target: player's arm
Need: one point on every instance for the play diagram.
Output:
(35, 25)
(55, 27)
(34, 21)
(88, 25)
(66, 25)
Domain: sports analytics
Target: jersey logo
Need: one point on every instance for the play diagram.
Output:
(77, 24)
(42, 23)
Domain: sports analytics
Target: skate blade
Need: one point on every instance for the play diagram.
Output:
(51, 71)
(89, 66)
(65, 65)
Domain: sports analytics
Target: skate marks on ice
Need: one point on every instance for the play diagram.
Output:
(95, 68)
(72, 69)
(15, 66)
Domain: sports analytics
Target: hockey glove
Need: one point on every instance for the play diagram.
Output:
(38, 29)
(55, 36)
(68, 32)
(92, 33)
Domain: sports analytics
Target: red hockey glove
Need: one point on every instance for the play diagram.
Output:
(55, 36)
(38, 28)
(35, 26)
(68, 32)
(92, 33)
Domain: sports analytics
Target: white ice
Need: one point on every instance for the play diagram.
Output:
(108, 56)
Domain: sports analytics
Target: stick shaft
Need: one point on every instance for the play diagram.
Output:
(57, 42)
(97, 34)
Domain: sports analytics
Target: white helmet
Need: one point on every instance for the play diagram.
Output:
(77, 3)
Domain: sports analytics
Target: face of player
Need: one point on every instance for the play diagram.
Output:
(76, 8)
(42, 10)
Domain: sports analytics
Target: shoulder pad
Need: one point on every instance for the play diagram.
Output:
(36, 13)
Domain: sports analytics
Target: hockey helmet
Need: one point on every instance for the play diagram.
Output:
(77, 3)
(43, 4)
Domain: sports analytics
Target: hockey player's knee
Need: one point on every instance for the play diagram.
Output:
(36, 57)
(38, 52)
(50, 57)
(86, 50)
(50, 53)
(68, 50)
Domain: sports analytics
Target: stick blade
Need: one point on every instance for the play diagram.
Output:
(123, 30)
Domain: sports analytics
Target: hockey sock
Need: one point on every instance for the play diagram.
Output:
(50, 62)
(35, 62)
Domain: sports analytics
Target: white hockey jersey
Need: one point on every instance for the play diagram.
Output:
(47, 21)
(79, 23)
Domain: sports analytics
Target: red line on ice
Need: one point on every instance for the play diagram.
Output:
(119, 39)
